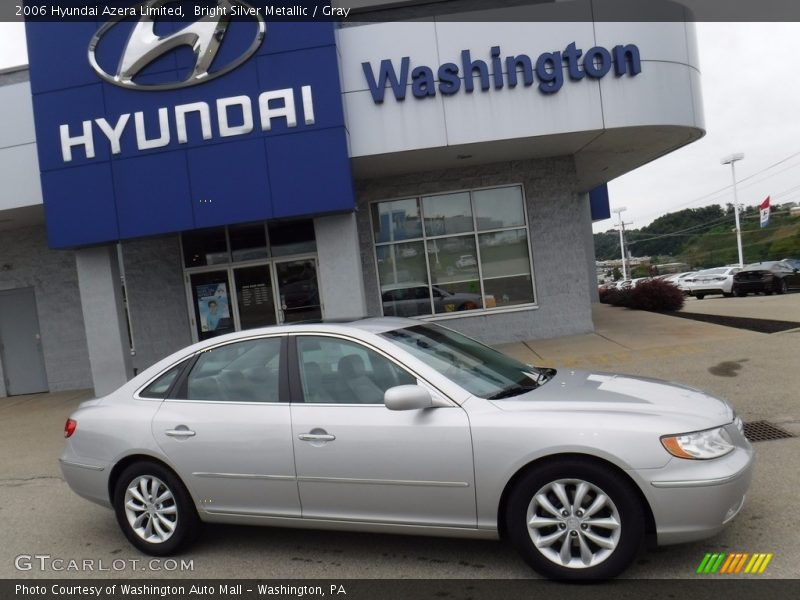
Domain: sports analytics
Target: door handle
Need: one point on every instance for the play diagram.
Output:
(179, 433)
(316, 437)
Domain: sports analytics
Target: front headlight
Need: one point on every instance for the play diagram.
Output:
(699, 445)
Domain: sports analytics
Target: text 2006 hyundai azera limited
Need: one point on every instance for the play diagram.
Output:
(394, 425)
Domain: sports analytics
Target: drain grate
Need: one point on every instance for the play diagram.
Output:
(761, 431)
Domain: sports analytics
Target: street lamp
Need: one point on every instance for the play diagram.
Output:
(731, 160)
(619, 212)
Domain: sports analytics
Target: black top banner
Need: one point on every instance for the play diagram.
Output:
(360, 11)
(397, 589)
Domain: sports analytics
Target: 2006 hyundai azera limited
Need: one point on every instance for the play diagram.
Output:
(395, 425)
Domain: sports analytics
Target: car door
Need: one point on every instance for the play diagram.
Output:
(227, 432)
(358, 460)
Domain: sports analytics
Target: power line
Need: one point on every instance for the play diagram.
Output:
(727, 187)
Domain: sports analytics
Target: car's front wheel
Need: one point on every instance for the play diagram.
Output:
(573, 519)
(154, 509)
(782, 287)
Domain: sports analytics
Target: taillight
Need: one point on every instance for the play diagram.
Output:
(69, 427)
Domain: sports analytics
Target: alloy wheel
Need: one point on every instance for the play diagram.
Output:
(574, 523)
(151, 509)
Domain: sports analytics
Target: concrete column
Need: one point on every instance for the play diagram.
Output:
(104, 317)
(340, 279)
(588, 240)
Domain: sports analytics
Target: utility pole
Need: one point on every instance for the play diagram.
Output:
(622, 224)
(731, 160)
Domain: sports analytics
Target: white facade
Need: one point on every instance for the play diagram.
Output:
(555, 147)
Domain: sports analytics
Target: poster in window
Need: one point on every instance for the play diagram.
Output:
(213, 306)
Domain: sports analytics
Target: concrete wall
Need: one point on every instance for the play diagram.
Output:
(156, 298)
(339, 277)
(26, 261)
(558, 217)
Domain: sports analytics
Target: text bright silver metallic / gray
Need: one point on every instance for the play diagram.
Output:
(394, 425)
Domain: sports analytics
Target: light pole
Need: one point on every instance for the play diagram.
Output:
(619, 212)
(731, 160)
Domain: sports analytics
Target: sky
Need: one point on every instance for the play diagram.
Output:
(751, 100)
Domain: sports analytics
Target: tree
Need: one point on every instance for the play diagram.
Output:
(616, 274)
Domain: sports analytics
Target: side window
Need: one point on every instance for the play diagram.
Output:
(336, 371)
(240, 372)
(160, 387)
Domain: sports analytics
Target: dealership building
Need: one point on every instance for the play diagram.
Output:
(169, 182)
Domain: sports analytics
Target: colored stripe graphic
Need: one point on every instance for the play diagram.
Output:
(724, 563)
(717, 564)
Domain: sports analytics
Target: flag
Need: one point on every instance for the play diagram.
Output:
(764, 208)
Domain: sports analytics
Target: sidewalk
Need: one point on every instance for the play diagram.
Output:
(621, 334)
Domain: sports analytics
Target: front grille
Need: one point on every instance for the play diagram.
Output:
(762, 431)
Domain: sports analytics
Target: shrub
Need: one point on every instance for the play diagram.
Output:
(656, 294)
(617, 297)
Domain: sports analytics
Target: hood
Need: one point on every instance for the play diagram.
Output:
(586, 391)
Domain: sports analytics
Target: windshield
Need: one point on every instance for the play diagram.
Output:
(480, 370)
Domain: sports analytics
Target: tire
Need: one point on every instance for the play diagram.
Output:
(768, 292)
(585, 559)
(154, 536)
(782, 287)
(727, 294)
(739, 293)
(700, 296)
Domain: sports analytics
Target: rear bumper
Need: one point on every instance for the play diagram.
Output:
(87, 478)
(752, 286)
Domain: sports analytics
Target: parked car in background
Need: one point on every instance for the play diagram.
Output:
(679, 280)
(793, 262)
(638, 280)
(466, 261)
(775, 276)
(711, 281)
(409, 300)
(397, 425)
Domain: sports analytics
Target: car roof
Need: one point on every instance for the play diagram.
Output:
(373, 325)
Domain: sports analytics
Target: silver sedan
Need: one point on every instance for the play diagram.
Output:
(395, 425)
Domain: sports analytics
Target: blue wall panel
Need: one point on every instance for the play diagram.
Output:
(151, 194)
(79, 207)
(229, 191)
(304, 178)
(138, 191)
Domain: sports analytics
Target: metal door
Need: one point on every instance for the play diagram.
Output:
(229, 435)
(21, 344)
(368, 463)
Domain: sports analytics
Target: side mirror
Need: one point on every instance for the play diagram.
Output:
(407, 397)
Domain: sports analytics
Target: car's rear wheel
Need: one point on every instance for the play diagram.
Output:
(782, 287)
(573, 519)
(699, 296)
(154, 509)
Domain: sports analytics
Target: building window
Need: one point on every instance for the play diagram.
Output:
(246, 242)
(453, 252)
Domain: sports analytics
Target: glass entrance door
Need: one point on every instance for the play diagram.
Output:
(298, 291)
(255, 300)
(210, 292)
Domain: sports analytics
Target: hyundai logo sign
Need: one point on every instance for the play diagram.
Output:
(145, 46)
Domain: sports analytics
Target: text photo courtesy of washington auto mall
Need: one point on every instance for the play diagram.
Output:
(399, 299)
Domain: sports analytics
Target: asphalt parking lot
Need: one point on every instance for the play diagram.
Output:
(755, 372)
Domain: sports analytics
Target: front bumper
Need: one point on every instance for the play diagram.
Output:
(693, 500)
